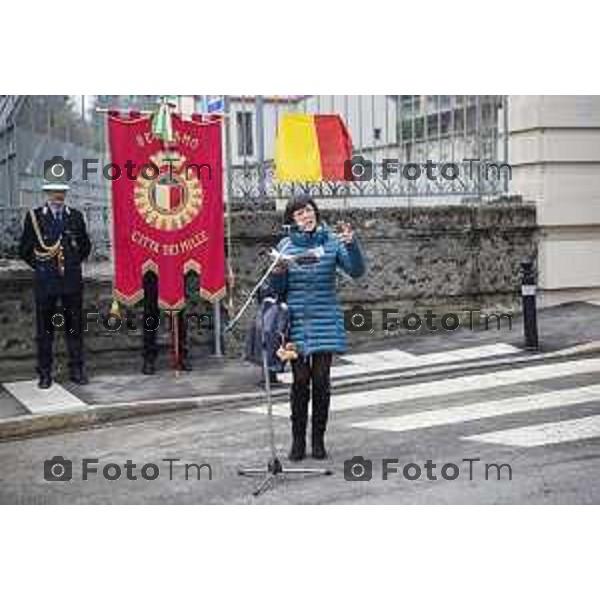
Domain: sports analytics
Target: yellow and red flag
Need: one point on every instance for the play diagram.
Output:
(311, 148)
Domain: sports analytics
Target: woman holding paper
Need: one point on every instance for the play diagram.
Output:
(308, 280)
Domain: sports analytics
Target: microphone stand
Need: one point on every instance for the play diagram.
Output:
(274, 468)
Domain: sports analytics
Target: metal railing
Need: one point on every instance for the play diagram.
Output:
(403, 129)
(407, 129)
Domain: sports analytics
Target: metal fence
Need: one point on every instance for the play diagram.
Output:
(38, 128)
(407, 129)
(34, 129)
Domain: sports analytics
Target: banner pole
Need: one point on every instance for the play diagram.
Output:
(225, 162)
(175, 325)
(217, 322)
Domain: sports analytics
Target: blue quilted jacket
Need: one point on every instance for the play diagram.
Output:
(316, 319)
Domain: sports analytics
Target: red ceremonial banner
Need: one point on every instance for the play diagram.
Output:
(167, 207)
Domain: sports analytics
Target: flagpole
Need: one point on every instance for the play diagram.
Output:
(225, 162)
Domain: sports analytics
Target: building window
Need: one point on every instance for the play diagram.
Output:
(410, 105)
(445, 102)
(245, 140)
(446, 120)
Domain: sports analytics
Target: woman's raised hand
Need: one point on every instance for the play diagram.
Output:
(346, 235)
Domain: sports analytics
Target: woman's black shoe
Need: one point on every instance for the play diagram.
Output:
(318, 447)
(298, 451)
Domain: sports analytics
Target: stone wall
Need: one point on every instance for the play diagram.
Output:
(448, 259)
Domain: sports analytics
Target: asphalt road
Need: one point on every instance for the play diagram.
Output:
(555, 462)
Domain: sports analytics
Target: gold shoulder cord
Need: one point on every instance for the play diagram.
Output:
(48, 252)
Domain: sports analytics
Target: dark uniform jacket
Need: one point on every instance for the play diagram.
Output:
(76, 248)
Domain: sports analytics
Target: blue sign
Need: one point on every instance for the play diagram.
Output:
(214, 104)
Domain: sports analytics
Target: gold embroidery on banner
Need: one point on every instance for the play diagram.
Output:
(173, 199)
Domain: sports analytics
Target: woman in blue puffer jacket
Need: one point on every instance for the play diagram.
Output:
(316, 320)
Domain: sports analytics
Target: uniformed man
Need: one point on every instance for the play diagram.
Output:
(55, 243)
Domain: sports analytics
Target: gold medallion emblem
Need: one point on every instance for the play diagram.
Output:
(174, 198)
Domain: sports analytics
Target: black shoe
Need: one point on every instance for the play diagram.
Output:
(318, 446)
(45, 381)
(148, 368)
(298, 451)
(79, 377)
(185, 365)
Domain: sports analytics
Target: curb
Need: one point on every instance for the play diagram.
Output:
(31, 425)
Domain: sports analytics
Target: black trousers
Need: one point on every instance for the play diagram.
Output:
(49, 320)
(152, 320)
(316, 370)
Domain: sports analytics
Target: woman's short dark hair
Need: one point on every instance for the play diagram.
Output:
(296, 203)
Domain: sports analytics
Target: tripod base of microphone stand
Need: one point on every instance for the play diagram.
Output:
(275, 469)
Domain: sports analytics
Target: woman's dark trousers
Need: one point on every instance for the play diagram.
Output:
(313, 370)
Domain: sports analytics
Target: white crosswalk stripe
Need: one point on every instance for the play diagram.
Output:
(35, 400)
(446, 387)
(558, 432)
(531, 405)
(483, 410)
(388, 360)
